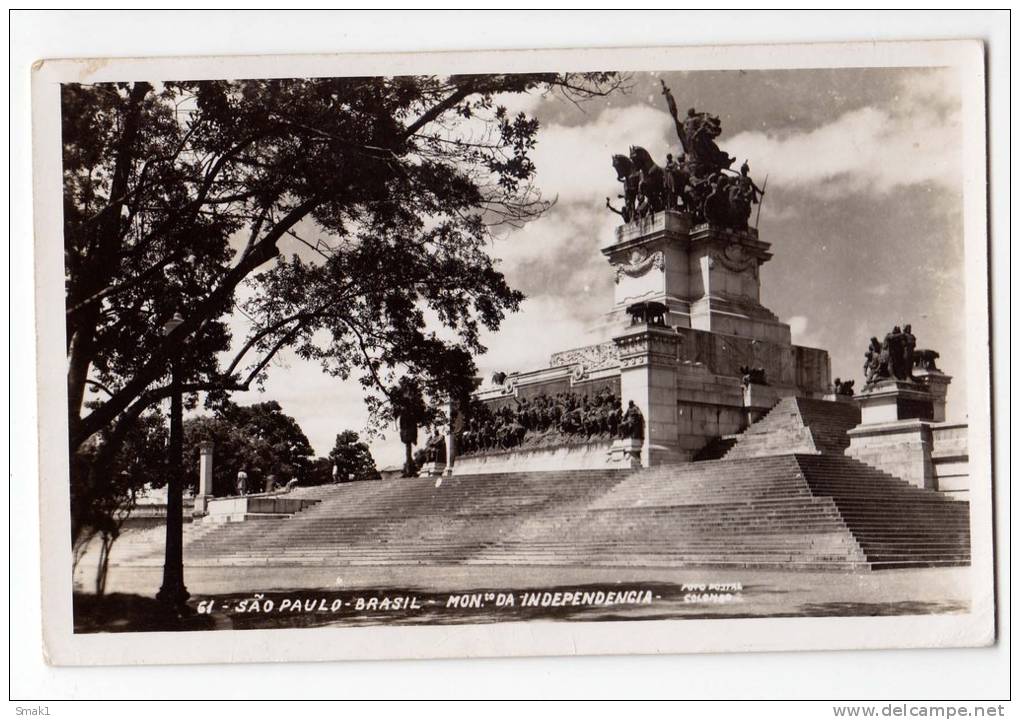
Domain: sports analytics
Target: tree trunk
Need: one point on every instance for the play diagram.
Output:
(100, 263)
(408, 461)
(106, 544)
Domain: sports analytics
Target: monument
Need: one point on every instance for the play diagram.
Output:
(686, 341)
(903, 410)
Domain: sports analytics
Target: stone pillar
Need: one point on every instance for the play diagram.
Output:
(895, 434)
(205, 477)
(451, 439)
(648, 366)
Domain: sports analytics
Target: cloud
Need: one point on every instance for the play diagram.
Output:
(799, 332)
(575, 162)
(515, 103)
(870, 150)
(545, 325)
(559, 253)
(798, 324)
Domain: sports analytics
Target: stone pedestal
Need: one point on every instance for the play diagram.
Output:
(432, 469)
(760, 397)
(648, 376)
(253, 507)
(758, 400)
(626, 453)
(892, 400)
(707, 277)
(895, 434)
(205, 478)
(901, 447)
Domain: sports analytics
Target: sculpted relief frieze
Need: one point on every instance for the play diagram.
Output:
(735, 259)
(589, 358)
(640, 262)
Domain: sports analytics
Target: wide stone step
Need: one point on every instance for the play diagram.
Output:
(781, 511)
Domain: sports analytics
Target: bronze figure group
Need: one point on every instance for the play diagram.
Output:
(892, 358)
(752, 376)
(698, 182)
(843, 387)
(567, 416)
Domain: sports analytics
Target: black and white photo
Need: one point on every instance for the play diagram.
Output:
(628, 346)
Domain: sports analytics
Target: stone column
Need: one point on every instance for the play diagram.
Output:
(205, 477)
(451, 439)
(648, 367)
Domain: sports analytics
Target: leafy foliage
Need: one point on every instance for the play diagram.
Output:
(101, 504)
(352, 212)
(259, 439)
(352, 458)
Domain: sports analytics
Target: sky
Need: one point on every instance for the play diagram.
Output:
(863, 210)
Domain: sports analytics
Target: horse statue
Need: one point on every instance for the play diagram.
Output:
(651, 184)
(627, 174)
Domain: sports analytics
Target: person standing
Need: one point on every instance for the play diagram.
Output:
(909, 344)
(892, 350)
(672, 177)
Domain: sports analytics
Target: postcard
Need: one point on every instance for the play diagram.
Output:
(647, 350)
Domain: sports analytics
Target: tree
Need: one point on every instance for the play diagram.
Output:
(408, 408)
(99, 506)
(352, 458)
(259, 439)
(320, 472)
(382, 191)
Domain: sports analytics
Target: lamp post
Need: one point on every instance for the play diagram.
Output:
(173, 593)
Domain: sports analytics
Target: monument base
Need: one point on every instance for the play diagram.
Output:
(201, 504)
(252, 507)
(588, 456)
(432, 469)
(626, 453)
(895, 431)
(891, 400)
(902, 448)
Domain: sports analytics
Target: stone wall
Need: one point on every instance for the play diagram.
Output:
(803, 369)
(581, 456)
(925, 454)
(950, 458)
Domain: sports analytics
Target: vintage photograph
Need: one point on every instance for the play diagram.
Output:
(691, 340)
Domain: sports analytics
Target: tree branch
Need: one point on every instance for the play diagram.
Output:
(261, 253)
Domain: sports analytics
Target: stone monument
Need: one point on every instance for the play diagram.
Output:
(686, 339)
(903, 399)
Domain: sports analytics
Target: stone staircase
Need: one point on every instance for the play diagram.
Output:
(716, 449)
(783, 497)
(896, 524)
(798, 425)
